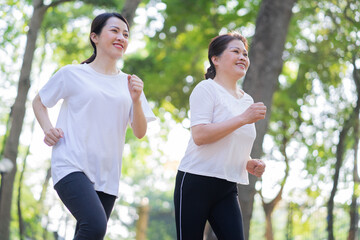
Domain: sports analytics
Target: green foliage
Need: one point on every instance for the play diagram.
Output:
(321, 43)
(31, 215)
(173, 61)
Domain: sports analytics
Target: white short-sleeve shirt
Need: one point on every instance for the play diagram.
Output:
(94, 115)
(227, 157)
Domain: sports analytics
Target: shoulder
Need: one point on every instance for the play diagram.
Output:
(123, 74)
(204, 90)
(71, 68)
(75, 67)
(205, 85)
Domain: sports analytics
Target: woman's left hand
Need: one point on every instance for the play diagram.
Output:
(135, 85)
(256, 167)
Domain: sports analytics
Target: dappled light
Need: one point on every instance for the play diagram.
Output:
(304, 66)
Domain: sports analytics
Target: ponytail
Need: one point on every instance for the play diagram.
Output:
(90, 59)
(211, 72)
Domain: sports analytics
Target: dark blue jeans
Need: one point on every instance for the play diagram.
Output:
(90, 208)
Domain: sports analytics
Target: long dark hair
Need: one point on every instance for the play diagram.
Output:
(96, 27)
(218, 45)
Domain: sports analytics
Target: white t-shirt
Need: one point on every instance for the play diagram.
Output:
(227, 157)
(93, 116)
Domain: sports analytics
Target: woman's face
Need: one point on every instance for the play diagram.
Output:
(234, 60)
(113, 39)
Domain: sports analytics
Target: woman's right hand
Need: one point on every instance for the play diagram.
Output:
(254, 113)
(53, 135)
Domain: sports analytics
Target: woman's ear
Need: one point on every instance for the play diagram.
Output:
(94, 37)
(214, 59)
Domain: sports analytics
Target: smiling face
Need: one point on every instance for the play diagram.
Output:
(234, 61)
(113, 39)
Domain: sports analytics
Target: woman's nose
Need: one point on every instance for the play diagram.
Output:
(242, 56)
(120, 37)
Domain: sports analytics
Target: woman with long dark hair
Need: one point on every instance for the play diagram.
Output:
(99, 101)
(218, 154)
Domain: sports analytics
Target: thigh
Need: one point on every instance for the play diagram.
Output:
(107, 202)
(191, 206)
(225, 218)
(79, 196)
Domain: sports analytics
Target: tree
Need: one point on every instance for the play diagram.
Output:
(346, 23)
(330, 50)
(354, 215)
(261, 81)
(17, 116)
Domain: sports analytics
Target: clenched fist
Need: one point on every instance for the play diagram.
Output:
(254, 113)
(255, 167)
(135, 85)
(52, 136)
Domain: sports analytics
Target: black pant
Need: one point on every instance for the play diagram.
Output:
(90, 208)
(200, 198)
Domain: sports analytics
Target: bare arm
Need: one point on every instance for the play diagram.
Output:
(139, 123)
(52, 135)
(212, 132)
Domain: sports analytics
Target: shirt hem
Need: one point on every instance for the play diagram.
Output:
(239, 181)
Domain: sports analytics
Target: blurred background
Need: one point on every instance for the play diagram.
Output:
(305, 67)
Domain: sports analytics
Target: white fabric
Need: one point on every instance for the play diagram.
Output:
(227, 157)
(94, 116)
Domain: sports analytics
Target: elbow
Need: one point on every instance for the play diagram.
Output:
(198, 140)
(36, 102)
(139, 128)
(140, 134)
(198, 136)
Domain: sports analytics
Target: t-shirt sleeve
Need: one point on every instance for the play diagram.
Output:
(53, 90)
(201, 105)
(149, 115)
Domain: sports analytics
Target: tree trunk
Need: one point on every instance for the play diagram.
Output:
(339, 159)
(340, 150)
(42, 208)
(129, 9)
(270, 206)
(354, 215)
(21, 221)
(269, 235)
(22, 226)
(17, 118)
(262, 78)
(289, 223)
(142, 222)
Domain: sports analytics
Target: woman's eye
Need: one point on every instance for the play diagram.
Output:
(114, 30)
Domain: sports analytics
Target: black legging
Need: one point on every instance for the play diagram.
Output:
(91, 209)
(198, 199)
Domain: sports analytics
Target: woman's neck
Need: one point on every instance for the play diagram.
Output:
(226, 81)
(229, 84)
(104, 65)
